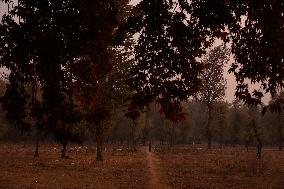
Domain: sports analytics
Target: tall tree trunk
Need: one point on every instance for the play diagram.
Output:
(280, 132)
(247, 147)
(36, 154)
(34, 92)
(258, 139)
(25, 141)
(208, 127)
(132, 140)
(144, 136)
(247, 144)
(99, 156)
(221, 136)
(221, 115)
(172, 134)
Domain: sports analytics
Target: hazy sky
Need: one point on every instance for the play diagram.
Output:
(230, 78)
(3, 8)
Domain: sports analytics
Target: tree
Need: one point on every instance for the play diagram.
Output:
(222, 111)
(275, 105)
(253, 28)
(198, 119)
(32, 53)
(280, 131)
(2, 87)
(236, 122)
(258, 48)
(98, 118)
(254, 115)
(166, 71)
(14, 101)
(94, 74)
(184, 132)
(70, 39)
(133, 115)
(145, 134)
(214, 83)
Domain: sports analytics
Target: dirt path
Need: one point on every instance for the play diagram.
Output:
(154, 181)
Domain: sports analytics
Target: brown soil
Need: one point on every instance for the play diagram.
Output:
(120, 169)
(156, 180)
(181, 167)
(229, 168)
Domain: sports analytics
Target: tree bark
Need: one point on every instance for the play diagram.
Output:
(144, 141)
(64, 149)
(144, 136)
(25, 141)
(132, 140)
(99, 156)
(171, 138)
(258, 139)
(280, 130)
(221, 136)
(247, 144)
(34, 92)
(36, 154)
(99, 151)
(208, 128)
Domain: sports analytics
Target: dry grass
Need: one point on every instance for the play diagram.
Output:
(18, 168)
(188, 167)
(184, 167)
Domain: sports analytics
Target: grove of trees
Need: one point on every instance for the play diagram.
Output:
(96, 66)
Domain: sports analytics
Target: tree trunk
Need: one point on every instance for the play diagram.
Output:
(25, 141)
(144, 136)
(99, 156)
(144, 142)
(258, 139)
(247, 145)
(36, 154)
(208, 128)
(34, 92)
(132, 140)
(221, 137)
(280, 130)
(171, 135)
(99, 151)
(64, 149)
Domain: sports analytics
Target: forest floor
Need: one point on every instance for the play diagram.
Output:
(179, 167)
